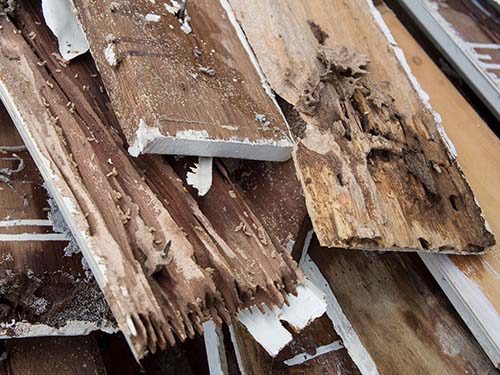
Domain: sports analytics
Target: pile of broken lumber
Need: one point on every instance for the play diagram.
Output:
(235, 186)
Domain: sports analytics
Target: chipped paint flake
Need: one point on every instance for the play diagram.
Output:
(200, 176)
(62, 21)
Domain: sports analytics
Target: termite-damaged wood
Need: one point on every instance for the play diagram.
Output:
(373, 160)
(122, 218)
(181, 80)
(42, 291)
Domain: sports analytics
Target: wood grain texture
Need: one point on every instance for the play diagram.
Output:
(393, 303)
(161, 264)
(41, 290)
(159, 81)
(375, 169)
(479, 155)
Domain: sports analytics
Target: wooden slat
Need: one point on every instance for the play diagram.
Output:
(472, 283)
(159, 87)
(42, 290)
(375, 168)
(122, 218)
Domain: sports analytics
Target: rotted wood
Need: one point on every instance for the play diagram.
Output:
(43, 292)
(182, 78)
(163, 267)
(375, 165)
(386, 297)
(471, 283)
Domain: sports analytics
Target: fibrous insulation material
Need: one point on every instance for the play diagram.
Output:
(61, 19)
(267, 329)
(200, 176)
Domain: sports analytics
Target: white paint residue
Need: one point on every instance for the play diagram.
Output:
(267, 329)
(34, 237)
(192, 134)
(200, 176)
(174, 8)
(62, 21)
(71, 328)
(305, 249)
(110, 55)
(214, 347)
(151, 17)
(237, 351)
(143, 137)
(303, 308)
(342, 326)
(320, 350)
(482, 318)
(26, 222)
(416, 85)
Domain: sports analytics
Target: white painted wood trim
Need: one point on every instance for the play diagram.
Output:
(469, 300)
(455, 49)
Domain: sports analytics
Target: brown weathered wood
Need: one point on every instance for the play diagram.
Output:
(376, 171)
(124, 219)
(159, 83)
(42, 290)
(479, 155)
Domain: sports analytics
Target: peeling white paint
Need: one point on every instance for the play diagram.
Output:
(61, 19)
(71, 328)
(149, 140)
(23, 237)
(320, 350)
(214, 346)
(200, 176)
(267, 329)
(174, 8)
(26, 222)
(110, 55)
(343, 327)
(151, 17)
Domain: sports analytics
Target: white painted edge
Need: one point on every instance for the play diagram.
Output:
(71, 328)
(267, 329)
(60, 17)
(200, 175)
(343, 327)
(149, 140)
(25, 237)
(469, 300)
(214, 346)
(449, 44)
(237, 351)
(26, 222)
(320, 350)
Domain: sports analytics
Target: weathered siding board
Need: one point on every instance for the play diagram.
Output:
(376, 169)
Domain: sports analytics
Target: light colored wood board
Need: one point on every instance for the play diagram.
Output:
(43, 291)
(110, 204)
(399, 313)
(479, 155)
(467, 34)
(373, 161)
(159, 92)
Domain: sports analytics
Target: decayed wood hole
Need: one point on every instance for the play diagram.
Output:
(132, 212)
(372, 179)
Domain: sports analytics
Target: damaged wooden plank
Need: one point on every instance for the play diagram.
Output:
(183, 80)
(468, 35)
(377, 169)
(162, 266)
(44, 288)
(471, 283)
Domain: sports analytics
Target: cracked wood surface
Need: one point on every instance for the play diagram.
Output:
(201, 90)
(376, 172)
(127, 214)
(41, 290)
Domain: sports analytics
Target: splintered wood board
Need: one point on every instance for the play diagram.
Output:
(163, 267)
(165, 102)
(42, 289)
(377, 169)
(471, 283)
(468, 34)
